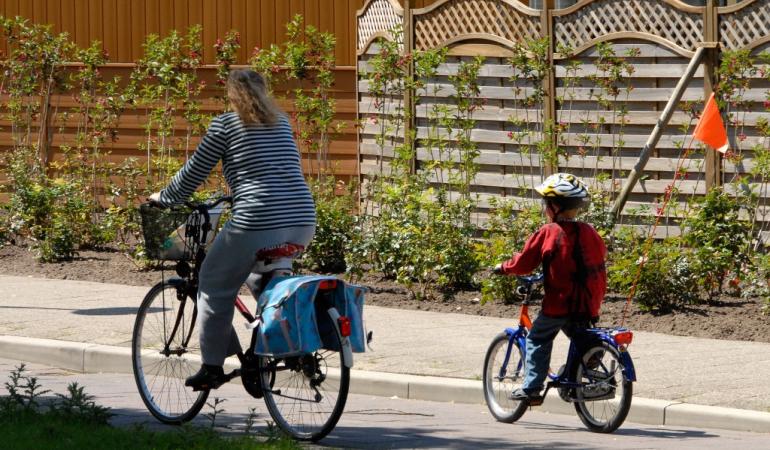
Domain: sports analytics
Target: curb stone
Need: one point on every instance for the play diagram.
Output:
(96, 358)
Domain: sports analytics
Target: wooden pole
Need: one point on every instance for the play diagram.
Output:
(549, 83)
(652, 141)
(713, 169)
(409, 103)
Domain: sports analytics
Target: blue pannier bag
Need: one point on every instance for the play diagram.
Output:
(293, 322)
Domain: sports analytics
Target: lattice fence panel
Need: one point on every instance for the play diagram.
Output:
(744, 27)
(379, 17)
(463, 17)
(602, 17)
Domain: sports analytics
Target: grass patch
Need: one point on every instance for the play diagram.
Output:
(29, 429)
(74, 421)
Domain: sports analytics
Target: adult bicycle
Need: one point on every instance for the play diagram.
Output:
(598, 379)
(304, 394)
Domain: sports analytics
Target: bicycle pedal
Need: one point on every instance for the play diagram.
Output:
(536, 401)
(234, 374)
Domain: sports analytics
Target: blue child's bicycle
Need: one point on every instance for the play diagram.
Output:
(598, 381)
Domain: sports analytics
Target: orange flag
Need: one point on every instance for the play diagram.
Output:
(710, 129)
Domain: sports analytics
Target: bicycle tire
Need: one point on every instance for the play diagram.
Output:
(496, 391)
(607, 377)
(283, 393)
(160, 375)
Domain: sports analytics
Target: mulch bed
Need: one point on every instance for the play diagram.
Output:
(730, 318)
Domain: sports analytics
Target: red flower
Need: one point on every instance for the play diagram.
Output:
(510, 135)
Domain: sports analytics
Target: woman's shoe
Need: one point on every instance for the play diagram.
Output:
(208, 377)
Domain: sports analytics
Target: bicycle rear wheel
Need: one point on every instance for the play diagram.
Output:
(306, 394)
(603, 402)
(165, 350)
(500, 381)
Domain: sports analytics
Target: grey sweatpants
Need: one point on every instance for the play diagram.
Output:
(226, 267)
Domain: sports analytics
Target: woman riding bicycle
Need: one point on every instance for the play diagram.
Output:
(572, 254)
(272, 206)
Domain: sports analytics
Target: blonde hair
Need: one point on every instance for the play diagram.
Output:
(249, 97)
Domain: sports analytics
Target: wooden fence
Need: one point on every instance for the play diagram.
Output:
(131, 127)
(657, 37)
(122, 25)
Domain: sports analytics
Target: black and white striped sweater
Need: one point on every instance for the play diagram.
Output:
(262, 167)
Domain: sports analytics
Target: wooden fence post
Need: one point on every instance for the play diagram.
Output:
(549, 83)
(713, 168)
(409, 103)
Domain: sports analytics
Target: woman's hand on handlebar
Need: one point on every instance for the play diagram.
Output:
(154, 199)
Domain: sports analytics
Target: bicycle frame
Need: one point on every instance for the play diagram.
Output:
(518, 336)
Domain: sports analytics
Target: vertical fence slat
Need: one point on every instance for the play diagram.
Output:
(238, 21)
(270, 31)
(123, 31)
(81, 27)
(209, 30)
(152, 19)
(181, 15)
(109, 33)
(69, 9)
(53, 14)
(138, 28)
(95, 21)
(340, 21)
(25, 9)
(165, 17)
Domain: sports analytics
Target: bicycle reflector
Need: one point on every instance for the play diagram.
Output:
(623, 337)
(327, 284)
(344, 324)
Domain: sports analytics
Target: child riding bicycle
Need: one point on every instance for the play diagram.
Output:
(572, 255)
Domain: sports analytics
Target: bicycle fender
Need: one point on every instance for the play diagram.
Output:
(628, 365)
(347, 349)
(176, 281)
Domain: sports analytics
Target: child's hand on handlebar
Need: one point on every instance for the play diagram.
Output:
(498, 269)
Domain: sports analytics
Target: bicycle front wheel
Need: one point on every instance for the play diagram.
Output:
(165, 350)
(501, 379)
(604, 399)
(306, 394)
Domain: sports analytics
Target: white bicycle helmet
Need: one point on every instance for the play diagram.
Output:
(562, 186)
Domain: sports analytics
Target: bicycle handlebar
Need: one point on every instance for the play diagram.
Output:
(203, 207)
(531, 279)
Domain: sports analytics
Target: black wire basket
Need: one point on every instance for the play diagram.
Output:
(171, 234)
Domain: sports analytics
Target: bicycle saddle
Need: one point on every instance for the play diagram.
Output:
(274, 261)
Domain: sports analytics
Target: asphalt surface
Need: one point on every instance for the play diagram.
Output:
(673, 368)
(380, 422)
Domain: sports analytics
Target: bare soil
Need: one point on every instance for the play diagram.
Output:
(729, 318)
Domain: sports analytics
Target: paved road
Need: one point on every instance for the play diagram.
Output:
(378, 422)
(675, 368)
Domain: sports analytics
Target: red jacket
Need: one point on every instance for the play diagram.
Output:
(552, 245)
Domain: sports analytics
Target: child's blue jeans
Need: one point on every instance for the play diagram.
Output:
(539, 346)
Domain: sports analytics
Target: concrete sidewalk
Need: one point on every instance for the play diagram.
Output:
(670, 369)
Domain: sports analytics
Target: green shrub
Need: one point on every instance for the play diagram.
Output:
(335, 219)
(756, 279)
(667, 279)
(53, 214)
(720, 239)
